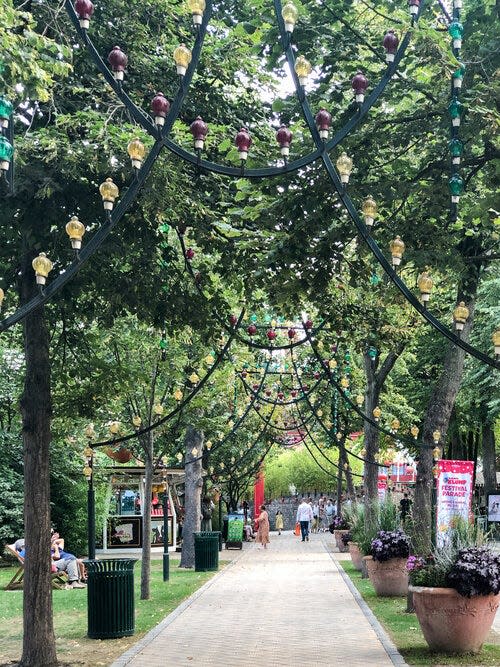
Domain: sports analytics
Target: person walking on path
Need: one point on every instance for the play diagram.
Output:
(304, 517)
(279, 521)
(263, 530)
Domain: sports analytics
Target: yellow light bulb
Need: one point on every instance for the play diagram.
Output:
(415, 431)
(376, 413)
(178, 456)
(89, 432)
(42, 266)
(344, 167)
(75, 230)
(136, 151)
(290, 15)
(436, 436)
(397, 248)
(178, 395)
(395, 424)
(109, 192)
(87, 452)
(196, 7)
(136, 421)
(193, 378)
(369, 211)
(360, 399)
(460, 315)
(158, 409)
(436, 453)
(425, 285)
(87, 471)
(332, 363)
(303, 68)
(344, 382)
(114, 428)
(209, 360)
(182, 57)
(208, 445)
(194, 452)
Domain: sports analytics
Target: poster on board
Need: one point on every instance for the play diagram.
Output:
(493, 508)
(454, 496)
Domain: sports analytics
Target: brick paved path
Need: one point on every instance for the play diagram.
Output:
(286, 606)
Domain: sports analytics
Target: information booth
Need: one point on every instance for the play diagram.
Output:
(123, 525)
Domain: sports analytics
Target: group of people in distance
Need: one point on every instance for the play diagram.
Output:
(62, 561)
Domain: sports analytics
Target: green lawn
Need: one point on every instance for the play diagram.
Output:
(404, 629)
(70, 616)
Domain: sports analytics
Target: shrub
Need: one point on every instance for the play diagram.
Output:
(339, 523)
(390, 544)
(476, 571)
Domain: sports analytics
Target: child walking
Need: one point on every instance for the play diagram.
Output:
(279, 522)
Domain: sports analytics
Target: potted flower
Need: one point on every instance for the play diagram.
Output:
(456, 594)
(387, 563)
(356, 517)
(340, 527)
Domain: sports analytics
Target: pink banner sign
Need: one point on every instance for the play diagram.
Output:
(454, 496)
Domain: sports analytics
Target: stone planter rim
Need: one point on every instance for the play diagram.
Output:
(440, 590)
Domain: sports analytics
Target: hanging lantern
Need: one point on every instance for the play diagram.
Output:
(457, 77)
(114, 427)
(136, 151)
(414, 6)
(455, 109)
(372, 352)
(496, 341)
(323, 121)
(376, 413)
(178, 456)
(196, 7)
(344, 167)
(177, 395)
(359, 84)
(89, 432)
(75, 230)
(252, 330)
(344, 383)
(456, 186)
(182, 58)
(291, 333)
(136, 421)
(456, 30)
(425, 285)
(208, 445)
(360, 399)
(456, 150)
(303, 68)
(160, 107)
(118, 61)
(390, 45)
(109, 192)
(397, 248)
(243, 141)
(460, 315)
(199, 130)
(369, 211)
(284, 139)
(87, 471)
(436, 453)
(42, 266)
(6, 153)
(158, 409)
(290, 15)
(414, 430)
(436, 436)
(84, 10)
(5, 112)
(194, 378)
(395, 424)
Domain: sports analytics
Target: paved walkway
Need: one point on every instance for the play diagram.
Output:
(287, 606)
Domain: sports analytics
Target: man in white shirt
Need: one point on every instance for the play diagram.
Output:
(330, 512)
(304, 517)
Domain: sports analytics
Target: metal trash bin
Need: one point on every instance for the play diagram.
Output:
(206, 551)
(110, 598)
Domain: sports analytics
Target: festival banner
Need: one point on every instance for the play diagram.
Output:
(382, 483)
(258, 493)
(454, 496)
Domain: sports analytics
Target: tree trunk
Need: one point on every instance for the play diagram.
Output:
(489, 460)
(437, 417)
(39, 644)
(192, 497)
(147, 446)
(348, 474)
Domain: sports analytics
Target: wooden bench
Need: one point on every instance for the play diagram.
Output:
(59, 579)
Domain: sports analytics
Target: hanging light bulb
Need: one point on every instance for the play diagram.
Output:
(89, 432)
(414, 6)
(177, 395)
(323, 121)
(160, 107)
(243, 141)
(196, 7)
(390, 45)
(436, 436)
(178, 456)
(457, 77)
(6, 153)
(284, 139)
(303, 69)
(456, 187)
(344, 167)
(460, 316)
(114, 427)
(456, 30)
(194, 378)
(136, 151)
(397, 248)
(5, 112)
(376, 413)
(456, 150)
(495, 338)
(42, 266)
(425, 285)
(182, 58)
(194, 452)
(118, 61)
(436, 453)
(344, 383)
(199, 130)
(75, 230)
(455, 109)
(360, 399)
(290, 15)
(109, 192)
(369, 211)
(359, 84)
(395, 424)
(414, 430)
(84, 10)
(136, 421)
(158, 409)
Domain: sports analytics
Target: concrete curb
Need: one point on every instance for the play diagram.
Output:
(134, 650)
(389, 647)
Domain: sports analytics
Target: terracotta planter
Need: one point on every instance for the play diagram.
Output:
(338, 539)
(356, 555)
(451, 622)
(389, 578)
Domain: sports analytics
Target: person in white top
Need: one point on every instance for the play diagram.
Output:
(304, 517)
(315, 524)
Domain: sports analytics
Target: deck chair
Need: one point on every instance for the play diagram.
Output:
(59, 579)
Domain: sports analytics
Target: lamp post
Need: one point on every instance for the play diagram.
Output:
(166, 561)
(89, 474)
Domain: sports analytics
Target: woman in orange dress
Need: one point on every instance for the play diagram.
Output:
(263, 530)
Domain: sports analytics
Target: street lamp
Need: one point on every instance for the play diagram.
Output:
(88, 471)
(118, 61)
(196, 7)
(369, 211)
(166, 562)
(284, 139)
(397, 248)
(390, 45)
(75, 230)
(84, 10)
(425, 285)
(42, 267)
(303, 68)
(290, 15)
(182, 58)
(359, 84)
(460, 316)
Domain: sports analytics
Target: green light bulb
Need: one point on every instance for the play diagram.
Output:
(5, 111)
(456, 30)
(6, 153)
(455, 109)
(456, 150)
(456, 186)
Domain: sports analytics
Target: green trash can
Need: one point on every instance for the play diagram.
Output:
(206, 551)
(110, 598)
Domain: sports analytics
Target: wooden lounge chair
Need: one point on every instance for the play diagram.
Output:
(59, 579)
